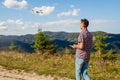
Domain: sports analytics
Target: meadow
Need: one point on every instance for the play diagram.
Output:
(60, 65)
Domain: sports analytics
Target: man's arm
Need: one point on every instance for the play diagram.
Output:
(78, 46)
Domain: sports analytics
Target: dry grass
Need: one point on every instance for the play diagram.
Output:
(62, 66)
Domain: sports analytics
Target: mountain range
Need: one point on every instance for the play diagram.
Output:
(60, 39)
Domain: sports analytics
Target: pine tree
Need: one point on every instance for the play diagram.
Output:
(50, 47)
(43, 43)
(12, 46)
(100, 43)
(108, 56)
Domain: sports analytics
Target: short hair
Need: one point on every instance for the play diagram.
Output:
(85, 22)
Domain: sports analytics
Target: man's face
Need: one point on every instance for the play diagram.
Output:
(81, 25)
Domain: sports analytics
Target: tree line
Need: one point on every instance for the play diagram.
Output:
(43, 44)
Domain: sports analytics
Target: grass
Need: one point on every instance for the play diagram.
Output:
(62, 66)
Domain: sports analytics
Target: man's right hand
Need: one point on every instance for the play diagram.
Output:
(75, 46)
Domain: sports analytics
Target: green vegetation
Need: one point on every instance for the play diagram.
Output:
(43, 43)
(100, 44)
(60, 39)
(100, 47)
(106, 67)
(67, 51)
(60, 65)
(12, 47)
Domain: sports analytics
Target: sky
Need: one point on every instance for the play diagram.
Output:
(20, 17)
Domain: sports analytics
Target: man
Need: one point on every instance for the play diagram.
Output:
(83, 49)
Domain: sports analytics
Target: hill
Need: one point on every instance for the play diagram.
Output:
(61, 39)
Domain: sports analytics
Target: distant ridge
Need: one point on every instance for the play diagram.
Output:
(61, 39)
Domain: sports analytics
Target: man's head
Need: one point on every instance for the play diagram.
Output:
(84, 23)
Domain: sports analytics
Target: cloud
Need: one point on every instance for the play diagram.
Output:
(104, 22)
(18, 27)
(69, 22)
(44, 10)
(62, 22)
(2, 26)
(18, 24)
(15, 4)
(74, 12)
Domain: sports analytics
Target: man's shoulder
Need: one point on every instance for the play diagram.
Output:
(85, 32)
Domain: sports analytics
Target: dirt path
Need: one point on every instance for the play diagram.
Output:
(21, 75)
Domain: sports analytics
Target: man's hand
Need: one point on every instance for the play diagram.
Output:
(75, 46)
(80, 46)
